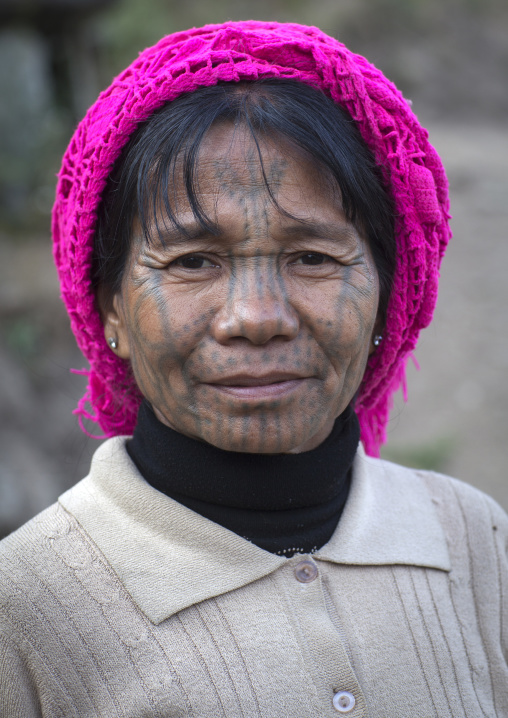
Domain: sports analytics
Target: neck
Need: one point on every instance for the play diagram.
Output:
(283, 503)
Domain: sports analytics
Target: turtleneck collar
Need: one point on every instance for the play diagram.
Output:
(284, 503)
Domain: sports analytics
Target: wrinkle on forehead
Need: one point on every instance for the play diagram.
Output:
(231, 166)
(232, 163)
(250, 171)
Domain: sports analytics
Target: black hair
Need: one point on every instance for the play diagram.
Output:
(142, 178)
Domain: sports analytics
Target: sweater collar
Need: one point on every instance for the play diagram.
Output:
(168, 557)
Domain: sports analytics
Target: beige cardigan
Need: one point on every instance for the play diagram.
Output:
(118, 601)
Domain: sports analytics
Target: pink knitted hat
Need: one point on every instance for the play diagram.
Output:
(247, 51)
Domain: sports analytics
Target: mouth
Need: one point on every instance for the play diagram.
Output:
(268, 386)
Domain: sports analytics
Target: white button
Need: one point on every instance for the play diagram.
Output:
(306, 571)
(344, 701)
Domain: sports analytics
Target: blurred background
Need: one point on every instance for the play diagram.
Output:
(449, 56)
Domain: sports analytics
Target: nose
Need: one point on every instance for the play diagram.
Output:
(257, 309)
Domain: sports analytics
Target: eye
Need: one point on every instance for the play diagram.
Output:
(193, 261)
(313, 258)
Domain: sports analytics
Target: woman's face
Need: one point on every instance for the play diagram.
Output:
(256, 338)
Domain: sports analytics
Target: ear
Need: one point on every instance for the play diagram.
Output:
(115, 326)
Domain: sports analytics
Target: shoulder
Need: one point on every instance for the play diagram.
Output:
(453, 499)
(475, 527)
(462, 505)
(32, 539)
(472, 525)
(37, 557)
(49, 568)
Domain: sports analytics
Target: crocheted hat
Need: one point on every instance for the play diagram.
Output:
(252, 50)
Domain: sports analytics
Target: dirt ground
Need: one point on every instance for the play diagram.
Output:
(457, 415)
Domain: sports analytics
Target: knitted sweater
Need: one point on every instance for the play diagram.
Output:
(118, 601)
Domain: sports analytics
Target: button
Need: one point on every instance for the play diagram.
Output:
(306, 571)
(344, 701)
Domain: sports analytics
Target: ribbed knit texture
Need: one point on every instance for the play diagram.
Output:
(232, 52)
(407, 641)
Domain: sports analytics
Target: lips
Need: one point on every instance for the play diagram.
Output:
(261, 380)
(273, 385)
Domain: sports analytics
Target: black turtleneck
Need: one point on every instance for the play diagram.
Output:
(283, 503)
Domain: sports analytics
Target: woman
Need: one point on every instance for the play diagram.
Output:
(248, 230)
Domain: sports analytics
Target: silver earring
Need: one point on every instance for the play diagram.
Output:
(377, 340)
(112, 342)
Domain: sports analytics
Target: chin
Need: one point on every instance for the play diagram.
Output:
(259, 435)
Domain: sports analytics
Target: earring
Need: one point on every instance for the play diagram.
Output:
(112, 342)
(377, 340)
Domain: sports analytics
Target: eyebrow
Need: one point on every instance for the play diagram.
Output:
(322, 230)
(193, 231)
(170, 234)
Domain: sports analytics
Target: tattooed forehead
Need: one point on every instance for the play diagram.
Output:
(252, 171)
(255, 199)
